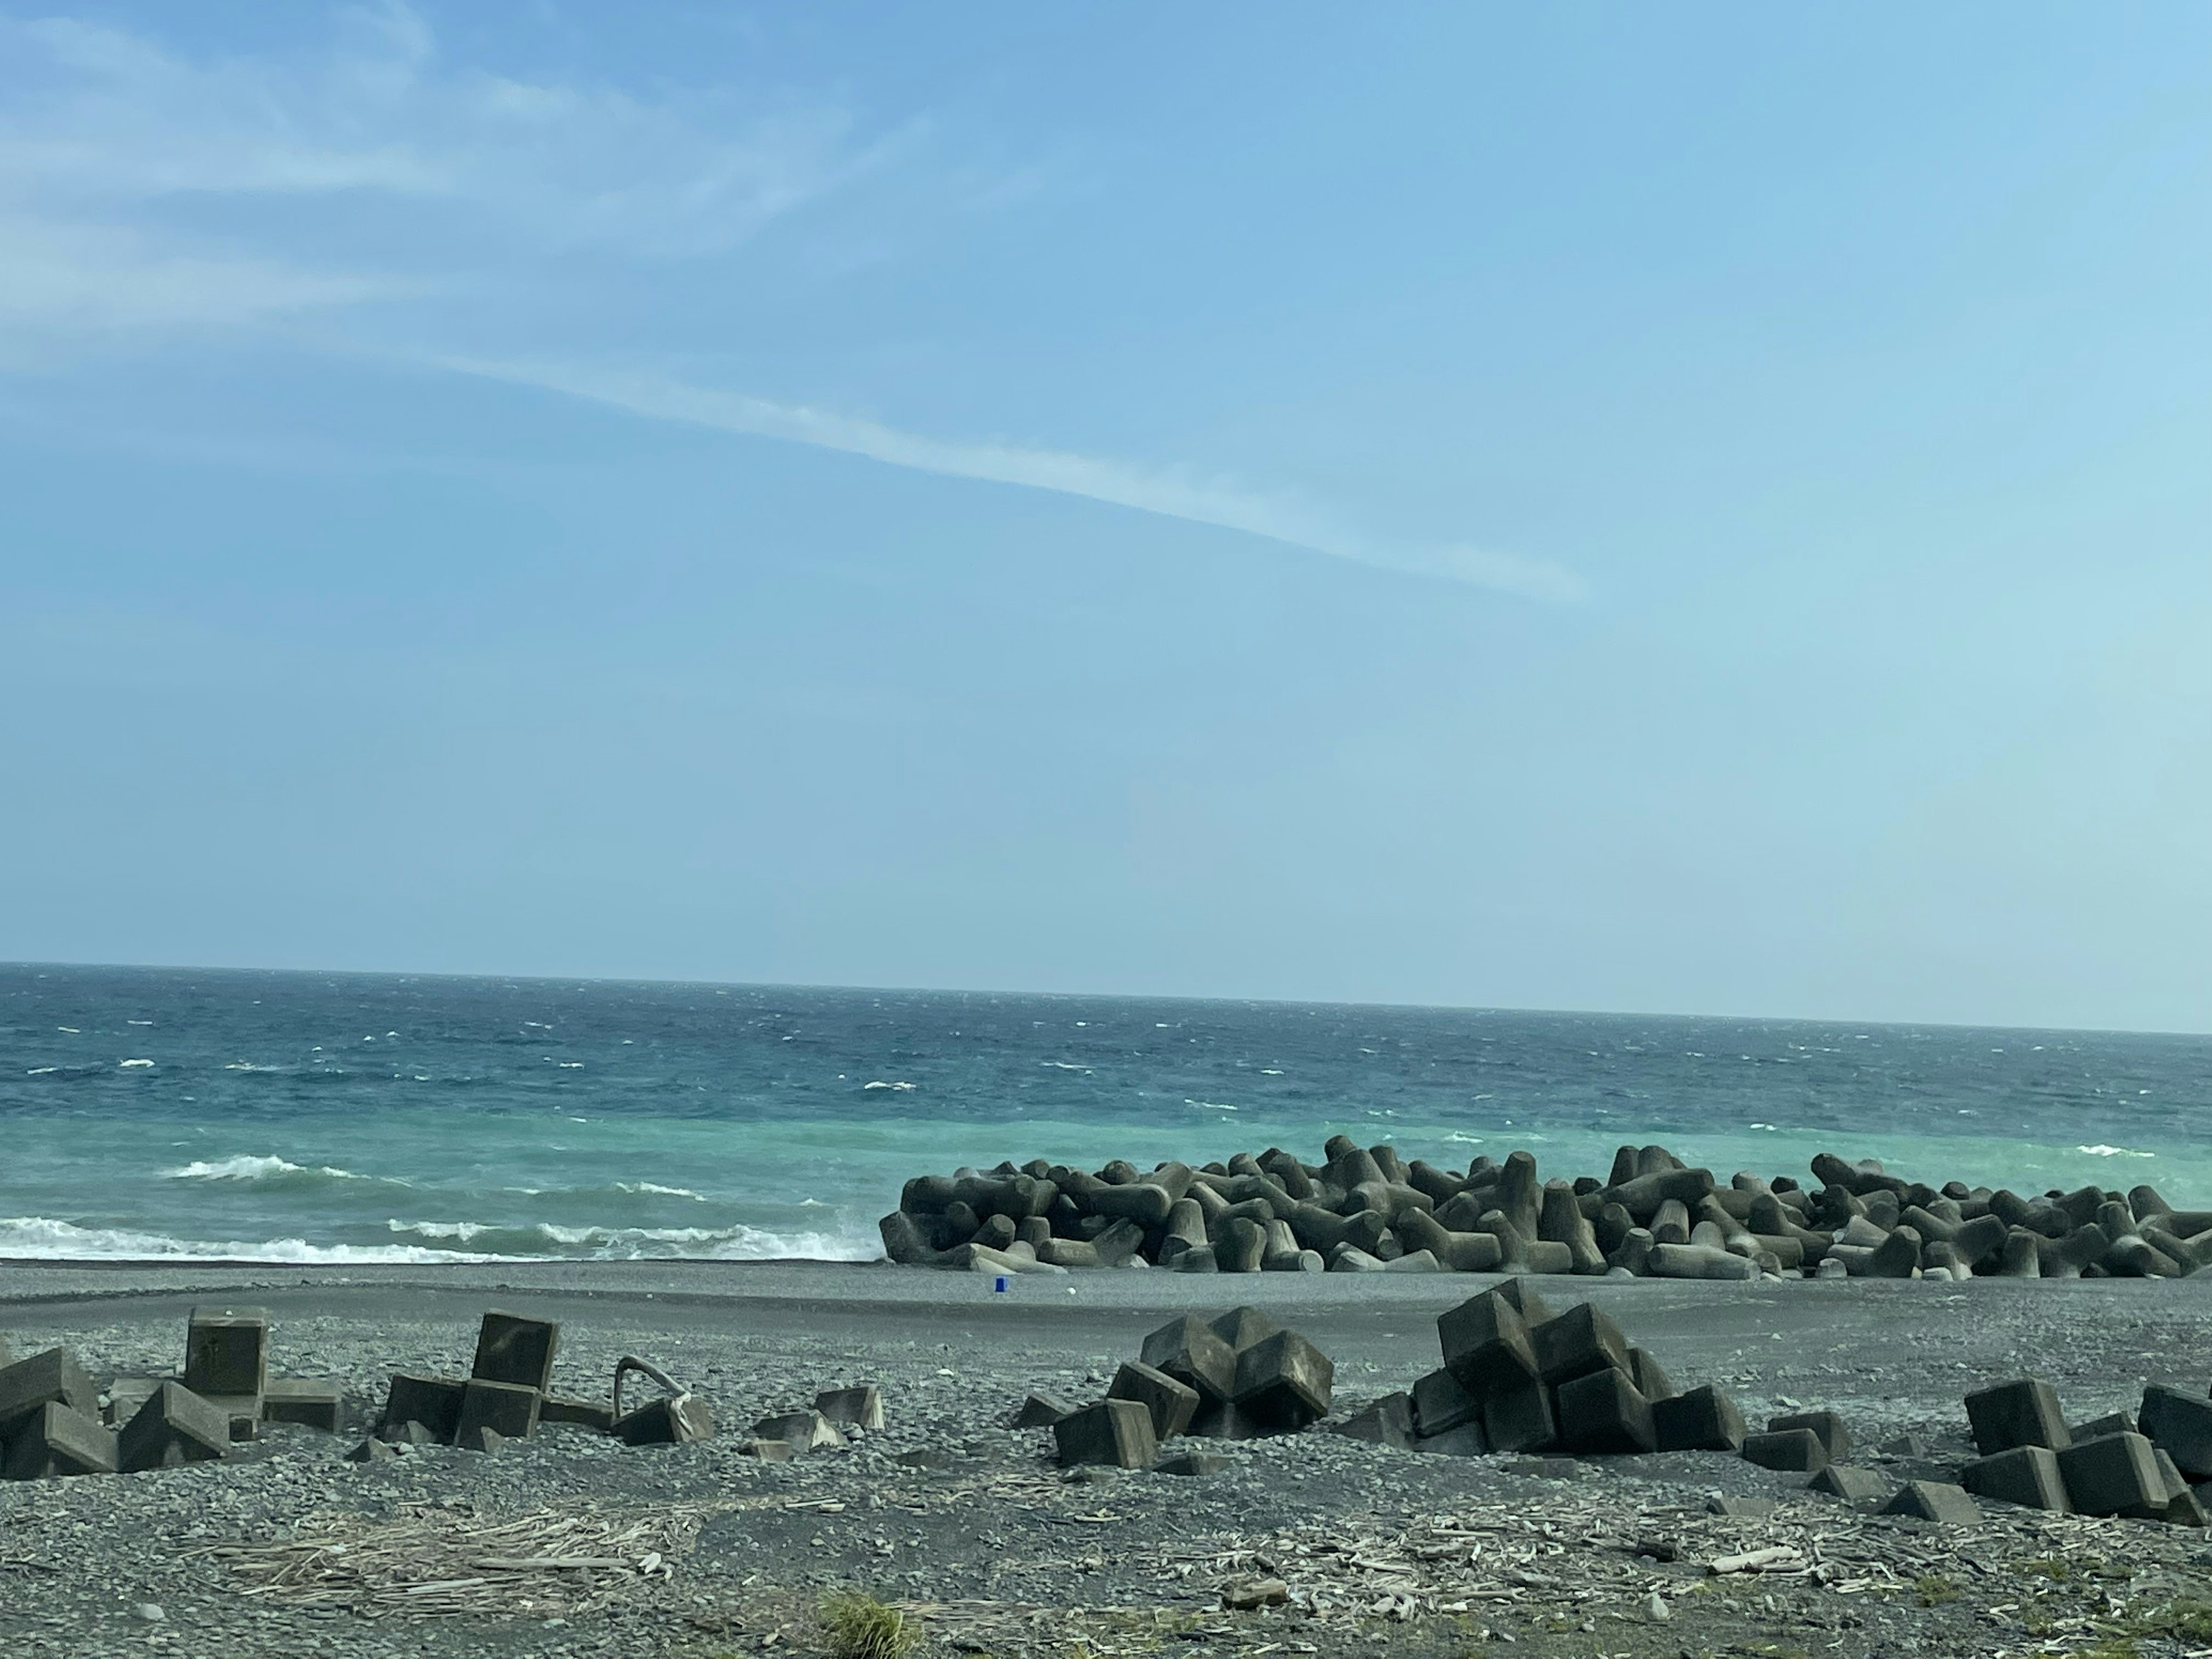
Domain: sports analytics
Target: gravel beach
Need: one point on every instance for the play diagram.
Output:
(287, 1548)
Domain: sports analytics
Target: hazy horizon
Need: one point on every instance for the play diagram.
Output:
(1449, 506)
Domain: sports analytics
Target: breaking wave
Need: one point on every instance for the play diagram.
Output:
(41, 1238)
(735, 1244)
(268, 1170)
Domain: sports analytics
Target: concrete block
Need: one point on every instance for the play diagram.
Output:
(2180, 1425)
(1935, 1500)
(52, 1378)
(1485, 1344)
(243, 1410)
(2027, 1475)
(1575, 1343)
(1652, 1383)
(1441, 1404)
(2021, 1413)
(372, 1450)
(432, 1401)
(765, 1451)
(2111, 1474)
(172, 1428)
(1284, 1381)
(1798, 1450)
(2110, 1423)
(1389, 1421)
(1040, 1411)
(313, 1402)
(1835, 1438)
(1699, 1261)
(1240, 1327)
(675, 1420)
(1741, 1509)
(1192, 1464)
(125, 1394)
(1192, 1352)
(1171, 1402)
(584, 1414)
(807, 1431)
(1600, 1411)
(1516, 1294)
(1704, 1420)
(226, 1351)
(509, 1409)
(1224, 1421)
(1854, 1485)
(57, 1440)
(1117, 1433)
(511, 1348)
(405, 1434)
(1517, 1416)
(1466, 1441)
(860, 1406)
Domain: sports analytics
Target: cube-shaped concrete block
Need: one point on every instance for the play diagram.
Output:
(125, 1394)
(1515, 1294)
(1705, 1419)
(172, 1428)
(1040, 1411)
(1485, 1344)
(508, 1409)
(1117, 1433)
(1652, 1383)
(227, 1352)
(677, 1420)
(1171, 1402)
(2111, 1474)
(584, 1414)
(1440, 1404)
(511, 1348)
(1240, 1328)
(1192, 1464)
(2180, 1425)
(242, 1410)
(432, 1401)
(314, 1402)
(1575, 1343)
(1284, 1381)
(55, 1440)
(52, 1378)
(2027, 1475)
(1191, 1350)
(2021, 1413)
(2110, 1423)
(1516, 1416)
(1835, 1439)
(1935, 1500)
(765, 1451)
(1795, 1450)
(1600, 1411)
(806, 1430)
(1387, 1422)
(1853, 1485)
(1226, 1420)
(1468, 1440)
(860, 1406)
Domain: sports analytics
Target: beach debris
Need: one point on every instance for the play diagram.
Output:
(1248, 1595)
(1854, 1485)
(679, 1418)
(1367, 1210)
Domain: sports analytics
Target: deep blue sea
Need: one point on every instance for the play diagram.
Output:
(334, 1117)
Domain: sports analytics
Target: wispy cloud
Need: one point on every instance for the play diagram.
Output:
(1172, 492)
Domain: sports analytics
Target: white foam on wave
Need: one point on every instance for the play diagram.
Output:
(2101, 1151)
(658, 1190)
(268, 1169)
(134, 1065)
(734, 1243)
(42, 1239)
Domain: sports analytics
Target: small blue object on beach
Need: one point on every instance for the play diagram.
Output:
(999, 1282)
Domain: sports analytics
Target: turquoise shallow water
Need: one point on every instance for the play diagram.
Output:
(333, 1117)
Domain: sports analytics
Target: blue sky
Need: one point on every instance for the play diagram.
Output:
(1690, 508)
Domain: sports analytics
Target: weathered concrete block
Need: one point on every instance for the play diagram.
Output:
(2111, 1474)
(2027, 1475)
(2021, 1413)
(1192, 1352)
(314, 1402)
(1935, 1500)
(1040, 1411)
(372, 1450)
(1575, 1343)
(1389, 1421)
(125, 1394)
(2110, 1423)
(1853, 1485)
(1224, 1421)
(226, 1351)
(1117, 1433)
(1284, 1381)
(1795, 1450)
(1171, 1402)
(51, 1378)
(806, 1430)
(1486, 1343)
(1518, 1294)
(432, 1401)
(765, 1451)
(1835, 1438)
(1600, 1411)
(172, 1428)
(674, 1420)
(1240, 1327)
(57, 1440)
(1192, 1464)
(860, 1406)
(244, 1411)
(1517, 1415)
(2180, 1425)
(1705, 1419)
(1468, 1440)
(1699, 1261)
(1240, 1245)
(1652, 1383)
(510, 1408)
(1441, 1404)
(405, 1434)
(511, 1348)
(1741, 1509)
(583, 1413)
